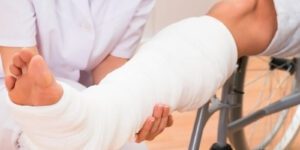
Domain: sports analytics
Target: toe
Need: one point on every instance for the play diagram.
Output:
(17, 61)
(26, 56)
(38, 69)
(15, 70)
(10, 82)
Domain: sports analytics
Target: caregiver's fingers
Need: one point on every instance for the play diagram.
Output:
(170, 121)
(156, 124)
(157, 114)
(164, 120)
(143, 133)
(162, 123)
(151, 125)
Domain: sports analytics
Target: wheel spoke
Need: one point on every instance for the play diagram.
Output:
(270, 84)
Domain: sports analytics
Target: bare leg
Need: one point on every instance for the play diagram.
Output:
(31, 82)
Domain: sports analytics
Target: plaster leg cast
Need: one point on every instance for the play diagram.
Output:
(182, 66)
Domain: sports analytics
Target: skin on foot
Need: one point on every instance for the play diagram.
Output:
(31, 82)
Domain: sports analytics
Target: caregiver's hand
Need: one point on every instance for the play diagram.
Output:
(155, 124)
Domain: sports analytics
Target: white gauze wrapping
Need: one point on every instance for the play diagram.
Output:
(182, 66)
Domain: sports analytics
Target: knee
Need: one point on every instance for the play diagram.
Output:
(233, 9)
(253, 18)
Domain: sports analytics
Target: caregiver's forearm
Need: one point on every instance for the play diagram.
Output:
(109, 64)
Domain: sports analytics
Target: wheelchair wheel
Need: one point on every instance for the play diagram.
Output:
(256, 84)
(291, 132)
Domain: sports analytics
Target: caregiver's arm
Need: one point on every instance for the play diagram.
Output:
(17, 29)
(109, 64)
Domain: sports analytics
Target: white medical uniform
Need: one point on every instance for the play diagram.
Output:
(72, 35)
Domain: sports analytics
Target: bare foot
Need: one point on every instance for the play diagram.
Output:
(31, 82)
